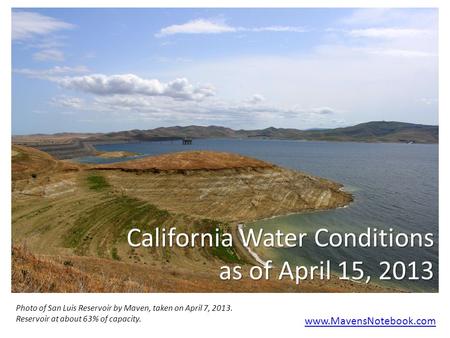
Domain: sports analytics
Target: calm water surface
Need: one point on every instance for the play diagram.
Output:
(394, 186)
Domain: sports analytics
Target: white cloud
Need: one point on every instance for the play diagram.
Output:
(256, 98)
(323, 111)
(49, 55)
(204, 26)
(429, 101)
(404, 53)
(54, 71)
(291, 29)
(368, 50)
(199, 26)
(388, 33)
(163, 110)
(26, 25)
(48, 42)
(130, 84)
(370, 16)
(382, 17)
(68, 102)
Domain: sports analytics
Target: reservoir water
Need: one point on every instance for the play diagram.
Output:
(394, 186)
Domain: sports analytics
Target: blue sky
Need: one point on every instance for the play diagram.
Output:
(94, 70)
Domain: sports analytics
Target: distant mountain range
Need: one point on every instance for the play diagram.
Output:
(376, 131)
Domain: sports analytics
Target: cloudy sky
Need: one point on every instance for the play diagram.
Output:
(117, 69)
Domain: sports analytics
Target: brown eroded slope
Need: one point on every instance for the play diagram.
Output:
(29, 162)
(222, 186)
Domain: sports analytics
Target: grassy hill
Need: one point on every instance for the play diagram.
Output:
(380, 131)
(376, 131)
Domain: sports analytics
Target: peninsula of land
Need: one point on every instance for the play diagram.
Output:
(70, 221)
